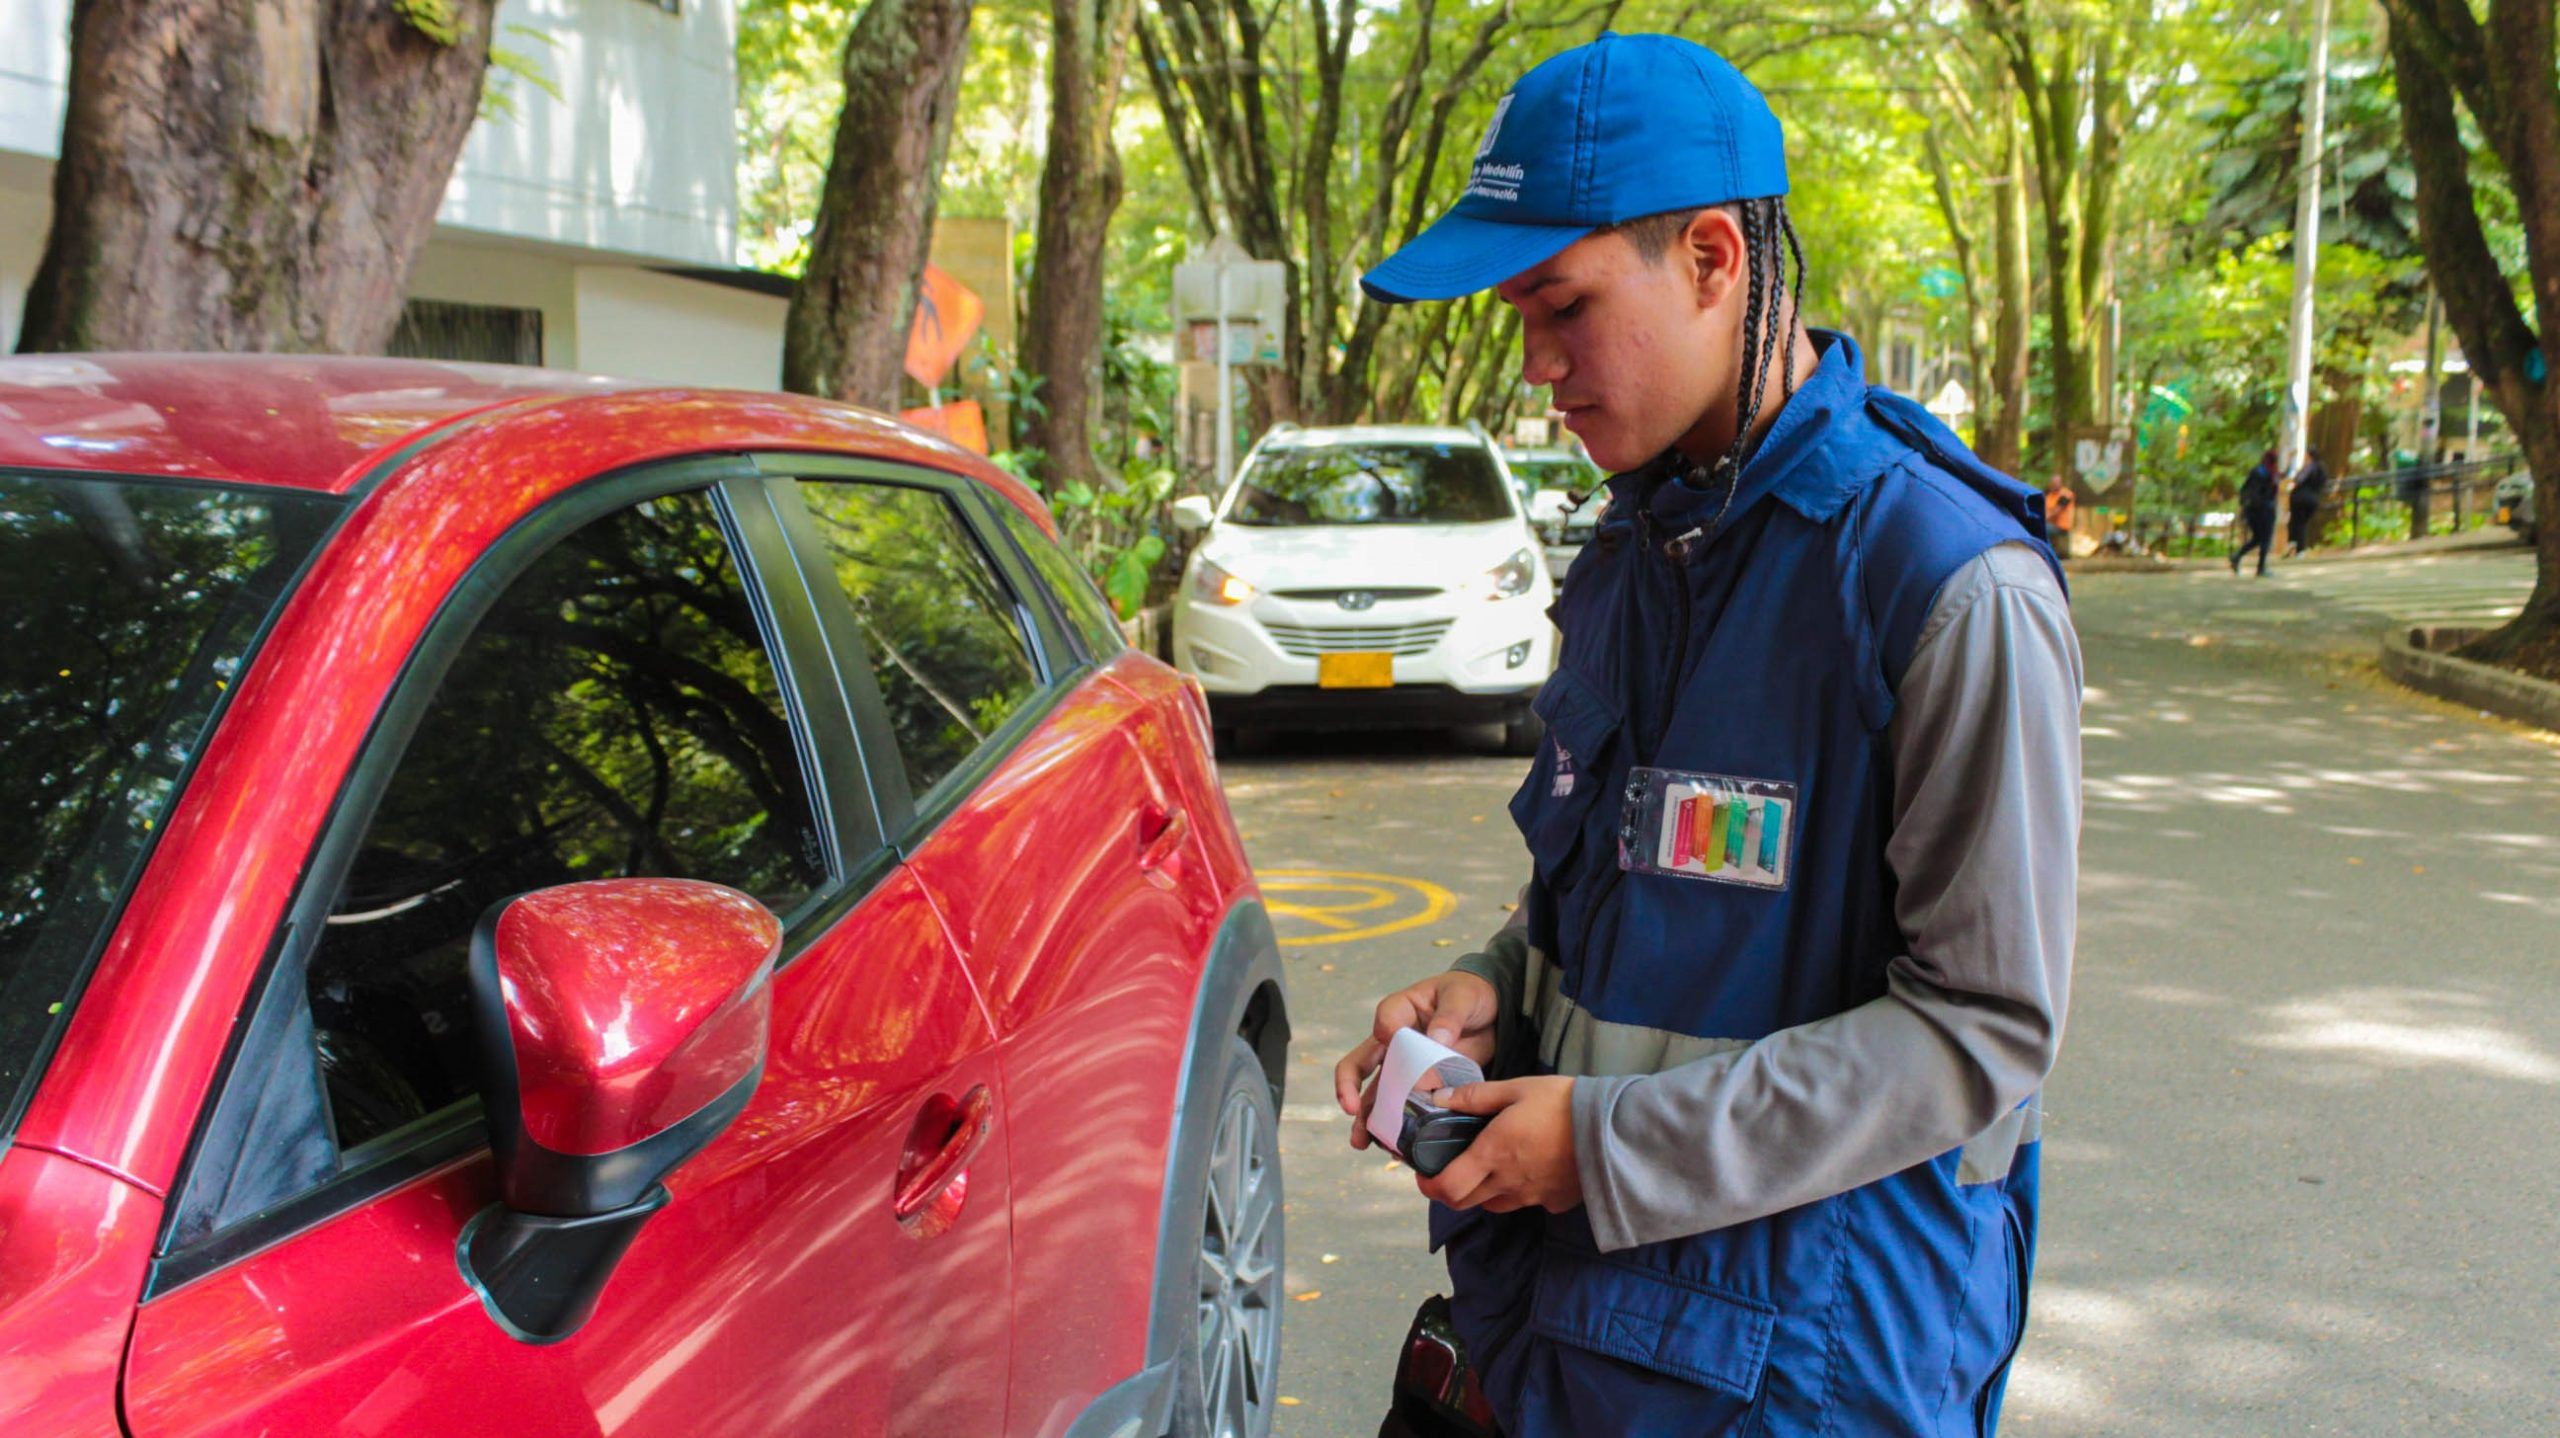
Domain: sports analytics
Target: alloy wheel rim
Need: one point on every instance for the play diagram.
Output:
(1239, 1269)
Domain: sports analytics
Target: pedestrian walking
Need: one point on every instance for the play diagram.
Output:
(2061, 512)
(2302, 509)
(2258, 512)
(1764, 1041)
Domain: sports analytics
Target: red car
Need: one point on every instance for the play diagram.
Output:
(532, 906)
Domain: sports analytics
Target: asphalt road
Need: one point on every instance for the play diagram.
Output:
(2302, 1169)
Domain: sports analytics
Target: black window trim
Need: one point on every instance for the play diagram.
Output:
(841, 806)
(1058, 655)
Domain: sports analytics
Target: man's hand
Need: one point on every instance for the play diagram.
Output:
(1523, 1159)
(1456, 1009)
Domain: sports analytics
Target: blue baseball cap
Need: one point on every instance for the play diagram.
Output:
(1621, 128)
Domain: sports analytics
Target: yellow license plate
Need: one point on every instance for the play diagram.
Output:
(1356, 671)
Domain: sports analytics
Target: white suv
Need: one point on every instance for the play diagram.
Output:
(1366, 577)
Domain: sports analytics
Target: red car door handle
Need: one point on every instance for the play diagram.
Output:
(1160, 832)
(922, 1183)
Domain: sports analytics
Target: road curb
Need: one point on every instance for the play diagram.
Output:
(2120, 564)
(2413, 655)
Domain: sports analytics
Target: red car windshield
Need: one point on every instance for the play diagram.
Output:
(127, 608)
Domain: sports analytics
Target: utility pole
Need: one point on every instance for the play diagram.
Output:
(2306, 241)
(2430, 419)
(2431, 390)
(1226, 377)
(2471, 431)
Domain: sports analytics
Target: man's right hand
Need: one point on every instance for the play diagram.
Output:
(1456, 1008)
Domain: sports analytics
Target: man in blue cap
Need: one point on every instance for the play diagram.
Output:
(1790, 968)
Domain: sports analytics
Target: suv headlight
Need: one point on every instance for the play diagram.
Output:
(1512, 577)
(1212, 585)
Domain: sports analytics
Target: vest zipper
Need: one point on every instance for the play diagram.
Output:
(1680, 649)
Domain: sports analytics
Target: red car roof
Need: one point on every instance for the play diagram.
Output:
(308, 422)
(324, 423)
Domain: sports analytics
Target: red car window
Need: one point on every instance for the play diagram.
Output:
(126, 608)
(616, 714)
(1087, 610)
(943, 630)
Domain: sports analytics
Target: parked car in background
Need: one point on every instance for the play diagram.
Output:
(2515, 504)
(1565, 480)
(1366, 576)
(514, 921)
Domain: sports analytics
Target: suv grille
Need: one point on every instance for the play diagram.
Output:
(1307, 641)
(1381, 594)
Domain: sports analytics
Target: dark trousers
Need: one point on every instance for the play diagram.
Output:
(2260, 521)
(2298, 526)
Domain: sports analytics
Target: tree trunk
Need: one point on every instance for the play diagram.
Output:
(2074, 98)
(2504, 75)
(846, 334)
(1079, 190)
(2005, 392)
(1978, 317)
(250, 177)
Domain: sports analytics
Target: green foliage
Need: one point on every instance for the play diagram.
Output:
(1117, 532)
(511, 64)
(790, 86)
(2202, 216)
(434, 19)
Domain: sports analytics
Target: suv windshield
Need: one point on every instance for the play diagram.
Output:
(1375, 483)
(129, 606)
(1555, 471)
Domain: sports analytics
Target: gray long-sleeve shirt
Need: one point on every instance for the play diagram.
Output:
(1985, 746)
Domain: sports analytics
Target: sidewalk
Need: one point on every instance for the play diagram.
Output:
(2286, 1187)
(2486, 539)
(2489, 539)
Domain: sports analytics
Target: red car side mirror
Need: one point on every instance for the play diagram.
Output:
(621, 1027)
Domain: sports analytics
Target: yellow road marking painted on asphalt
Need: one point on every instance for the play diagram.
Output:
(1367, 894)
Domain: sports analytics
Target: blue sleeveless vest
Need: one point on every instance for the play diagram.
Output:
(1767, 646)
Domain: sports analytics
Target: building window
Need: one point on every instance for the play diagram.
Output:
(491, 334)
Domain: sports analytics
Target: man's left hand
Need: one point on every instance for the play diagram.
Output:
(1523, 1159)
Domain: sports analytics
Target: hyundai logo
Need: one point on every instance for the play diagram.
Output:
(1356, 600)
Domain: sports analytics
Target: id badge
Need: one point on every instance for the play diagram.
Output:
(1709, 826)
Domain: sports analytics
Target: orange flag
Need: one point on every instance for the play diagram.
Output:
(960, 422)
(948, 314)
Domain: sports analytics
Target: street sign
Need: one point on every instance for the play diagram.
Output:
(1244, 344)
(1256, 301)
(1243, 303)
(2098, 458)
(1951, 403)
(1938, 282)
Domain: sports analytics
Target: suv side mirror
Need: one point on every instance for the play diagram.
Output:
(1192, 513)
(621, 1028)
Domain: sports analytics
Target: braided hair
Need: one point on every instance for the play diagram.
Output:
(1769, 244)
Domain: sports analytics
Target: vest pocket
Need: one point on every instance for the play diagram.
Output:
(1573, 769)
(1714, 1343)
(1986, 1403)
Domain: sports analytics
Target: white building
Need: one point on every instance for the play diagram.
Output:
(593, 232)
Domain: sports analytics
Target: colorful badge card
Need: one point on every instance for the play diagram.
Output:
(1708, 826)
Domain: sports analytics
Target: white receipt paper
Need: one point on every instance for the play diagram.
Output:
(1412, 1059)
